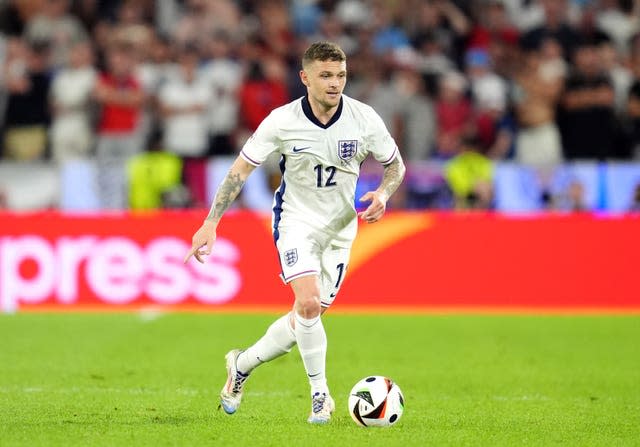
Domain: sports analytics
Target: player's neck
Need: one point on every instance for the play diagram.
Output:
(322, 113)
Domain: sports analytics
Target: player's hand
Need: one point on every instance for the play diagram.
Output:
(376, 209)
(202, 242)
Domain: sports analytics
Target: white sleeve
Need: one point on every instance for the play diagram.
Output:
(263, 142)
(382, 145)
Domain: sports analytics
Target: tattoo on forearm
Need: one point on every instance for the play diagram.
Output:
(392, 177)
(226, 194)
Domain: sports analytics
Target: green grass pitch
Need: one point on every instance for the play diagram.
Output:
(468, 380)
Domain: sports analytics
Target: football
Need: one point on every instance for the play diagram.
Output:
(376, 401)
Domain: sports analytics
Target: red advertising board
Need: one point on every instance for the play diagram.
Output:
(407, 261)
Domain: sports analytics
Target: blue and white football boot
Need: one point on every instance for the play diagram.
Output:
(231, 393)
(322, 405)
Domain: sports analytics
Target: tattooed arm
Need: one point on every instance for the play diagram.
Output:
(228, 190)
(393, 175)
(391, 179)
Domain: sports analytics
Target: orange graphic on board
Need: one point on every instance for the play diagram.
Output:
(374, 238)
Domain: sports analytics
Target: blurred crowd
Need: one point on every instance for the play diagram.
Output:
(152, 90)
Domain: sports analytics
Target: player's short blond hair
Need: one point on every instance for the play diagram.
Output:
(323, 51)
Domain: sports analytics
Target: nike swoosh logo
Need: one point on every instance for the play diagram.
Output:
(313, 375)
(300, 149)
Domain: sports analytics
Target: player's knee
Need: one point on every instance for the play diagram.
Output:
(308, 306)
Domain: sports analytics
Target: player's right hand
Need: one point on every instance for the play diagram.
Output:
(202, 242)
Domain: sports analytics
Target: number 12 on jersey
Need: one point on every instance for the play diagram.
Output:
(330, 170)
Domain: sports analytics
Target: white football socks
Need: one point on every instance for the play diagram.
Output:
(278, 340)
(312, 344)
(281, 337)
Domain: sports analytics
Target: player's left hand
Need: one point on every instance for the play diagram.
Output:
(202, 242)
(376, 209)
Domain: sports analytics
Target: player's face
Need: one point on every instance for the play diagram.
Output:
(325, 81)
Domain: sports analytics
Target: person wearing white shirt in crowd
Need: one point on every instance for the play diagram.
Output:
(224, 76)
(183, 102)
(71, 131)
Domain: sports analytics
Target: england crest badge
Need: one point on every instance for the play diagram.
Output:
(347, 149)
(291, 257)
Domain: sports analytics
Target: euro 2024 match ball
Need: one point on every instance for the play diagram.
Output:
(376, 401)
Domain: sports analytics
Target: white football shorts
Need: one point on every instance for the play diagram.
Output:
(302, 255)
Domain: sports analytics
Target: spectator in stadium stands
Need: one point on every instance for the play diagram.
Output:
(621, 77)
(555, 26)
(306, 18)
(495, 33)
(374, 86)
(552, 63)
(353, 13)
(71, 131)
(275, 31)
(201, 18)
(486, 86)
(524, 14)
(263, 90)
(183, 102)
(332, 29)
(155, 66)
(14, 15)
(470, 177)
(454, 115)
(620, 20)
(224, 75)
(587, 27)
(192, 22)
(134, 12)
(402, 54)
(493, 26)
(536, 95)
(432, 61)
(88, 12)
(633, 107)
(59, 28)
(121, 98)
(587, 115)
(27, 80)
(446, 21)
(415, 125)
(139, 36)
(387, 35)
(489, 94)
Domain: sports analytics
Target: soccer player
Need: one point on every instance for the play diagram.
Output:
(322, 138)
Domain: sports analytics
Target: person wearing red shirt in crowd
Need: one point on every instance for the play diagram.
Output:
(493, 26)
(264, 90)
(121, 98)
(454, 114)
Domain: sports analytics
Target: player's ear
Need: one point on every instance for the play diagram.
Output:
(304, 78)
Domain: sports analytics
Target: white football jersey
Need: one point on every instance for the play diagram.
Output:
(320, 163)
